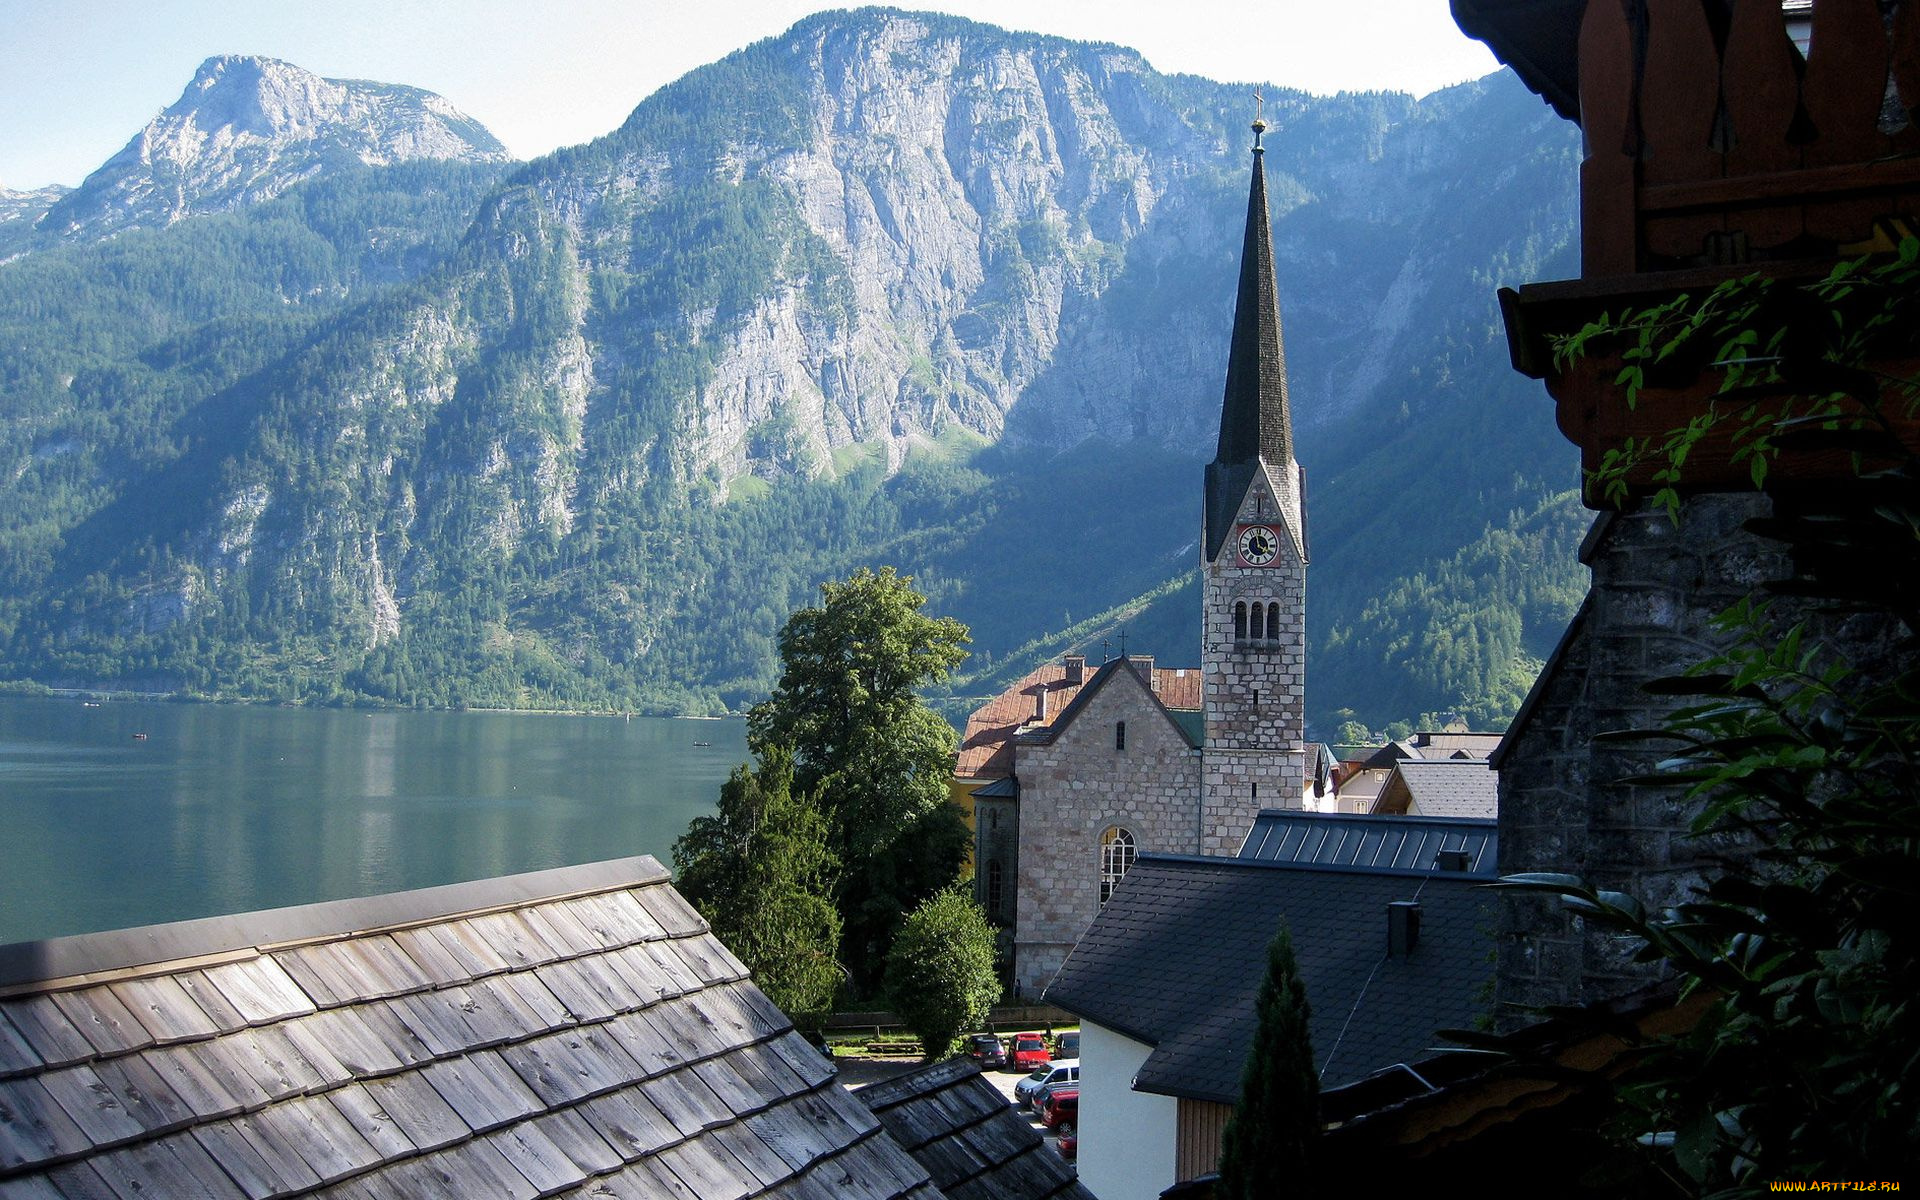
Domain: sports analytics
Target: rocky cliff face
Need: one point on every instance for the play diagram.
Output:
(245, 130)
(880, 238)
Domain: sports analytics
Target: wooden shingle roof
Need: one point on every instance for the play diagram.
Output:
(962, 1131)
(576, 1032)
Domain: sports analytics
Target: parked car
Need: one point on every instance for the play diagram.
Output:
(1067, 1045)
(1030, 1052)
(1069, 1143)
(987, 1050)
(1062, 1107)
(1067, 1070)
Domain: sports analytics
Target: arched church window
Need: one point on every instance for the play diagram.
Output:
(1116, 859)
(1119, 735)
(1259, 626)
(1273, 620)
(1240, 621)
(993, 887)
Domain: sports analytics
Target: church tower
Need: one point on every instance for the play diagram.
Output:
(1253, 562)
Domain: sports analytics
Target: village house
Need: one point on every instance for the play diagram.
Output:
(1391, 930)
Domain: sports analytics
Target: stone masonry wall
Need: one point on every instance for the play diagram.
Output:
(1255, 688)
(1071, 790)
(1656, 588)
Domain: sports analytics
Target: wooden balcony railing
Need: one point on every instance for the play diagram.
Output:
(1713, 139)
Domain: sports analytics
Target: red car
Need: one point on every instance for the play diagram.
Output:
(1062, 1107)
(1029, 1052)
(1069, 1143)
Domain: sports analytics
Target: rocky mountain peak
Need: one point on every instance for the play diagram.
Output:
(247, 128)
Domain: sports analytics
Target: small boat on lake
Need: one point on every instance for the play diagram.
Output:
(139, 737)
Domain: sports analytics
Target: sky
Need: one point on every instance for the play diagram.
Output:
(78, 78)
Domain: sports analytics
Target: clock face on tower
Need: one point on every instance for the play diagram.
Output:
(1259, 545)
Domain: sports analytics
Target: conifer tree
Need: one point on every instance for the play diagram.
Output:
(1268, 1147)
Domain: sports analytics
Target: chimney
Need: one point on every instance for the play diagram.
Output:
(1143, 666)
(1452, 860)
(1040, 704)
(1403, 927)
(1076, 669)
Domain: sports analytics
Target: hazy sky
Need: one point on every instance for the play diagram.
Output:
(79, 77)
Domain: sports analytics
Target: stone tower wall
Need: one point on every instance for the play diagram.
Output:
(1656, 588)
(1255, 690)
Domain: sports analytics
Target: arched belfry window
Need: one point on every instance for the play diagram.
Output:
(1259, 626)
(1273, 620)
(1116, 859)
(1240, 621)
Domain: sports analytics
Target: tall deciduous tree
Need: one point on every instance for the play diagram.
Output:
(869, 748)
(1267, 1149)
(762, 874)
(940, 976)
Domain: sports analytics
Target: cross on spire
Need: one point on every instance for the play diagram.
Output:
(1259, 119)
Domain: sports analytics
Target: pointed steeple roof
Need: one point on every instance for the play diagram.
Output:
(1255, 420)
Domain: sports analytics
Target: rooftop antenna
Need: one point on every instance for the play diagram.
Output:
(1259, 120)
(1105, 647)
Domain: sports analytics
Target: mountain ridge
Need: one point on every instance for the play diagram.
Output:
(245, 129)
(881, 288)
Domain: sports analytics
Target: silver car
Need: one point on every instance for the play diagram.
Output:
(1065, 1070)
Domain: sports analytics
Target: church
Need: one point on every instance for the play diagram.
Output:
(1073, 772)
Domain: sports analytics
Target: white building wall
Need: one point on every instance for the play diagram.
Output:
(1126, 1137)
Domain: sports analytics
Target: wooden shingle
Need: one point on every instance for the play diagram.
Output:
(592, 1039)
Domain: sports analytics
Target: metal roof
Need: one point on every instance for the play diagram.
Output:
(1397, 843)
(961, 1130)
(565, 1033)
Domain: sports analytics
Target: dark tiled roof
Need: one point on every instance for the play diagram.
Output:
(1399, 843)
(1448, 787)
(986, 748)
(1175, 960)
(576, 1033)
(960, 1128)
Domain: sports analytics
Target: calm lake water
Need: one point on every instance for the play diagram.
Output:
(228, 808)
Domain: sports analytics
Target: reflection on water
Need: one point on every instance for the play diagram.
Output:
(229, 808)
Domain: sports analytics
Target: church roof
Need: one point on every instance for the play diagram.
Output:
(576, 1032)
(1189, 723)
(986, 748)
(1204, 925)
(1256, 421)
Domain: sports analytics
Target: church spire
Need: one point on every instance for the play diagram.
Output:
(1255, 420)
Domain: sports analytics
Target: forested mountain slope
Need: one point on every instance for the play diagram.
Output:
(889, 288)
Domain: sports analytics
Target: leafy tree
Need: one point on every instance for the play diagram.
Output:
(761, 873)
(1267, 1148)
(1802, 1066)
(940, 976)
(868, 746)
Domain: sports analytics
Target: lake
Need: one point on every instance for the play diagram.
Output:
(229, 808)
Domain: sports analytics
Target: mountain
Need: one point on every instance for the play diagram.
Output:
(247, 129)
(887, 288)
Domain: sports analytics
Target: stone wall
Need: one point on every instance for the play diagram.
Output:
(996, 840)
(1072, 789)
(1656, 588)
(1255, 687)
